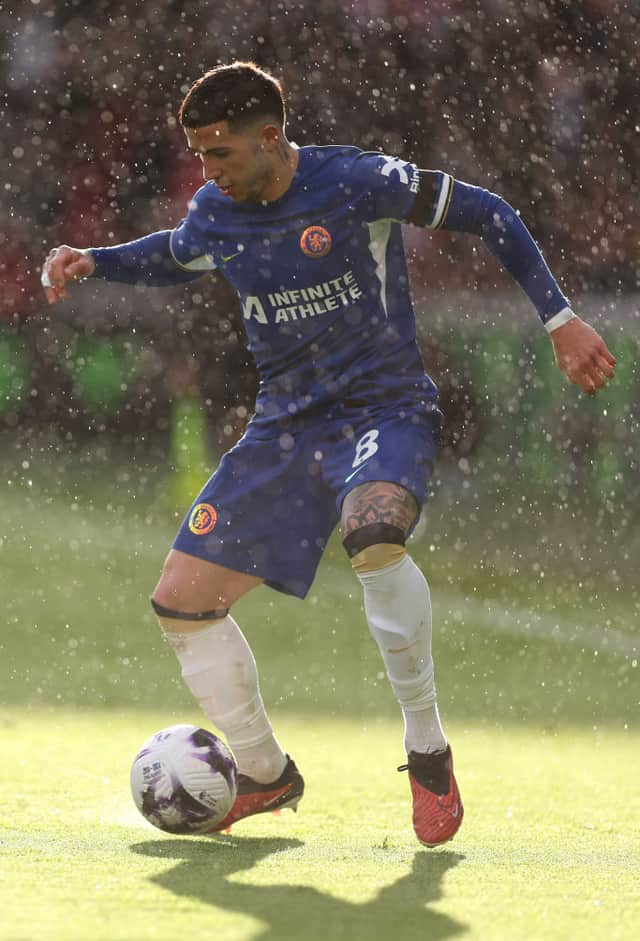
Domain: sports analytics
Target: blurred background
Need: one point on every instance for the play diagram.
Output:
(115, 405)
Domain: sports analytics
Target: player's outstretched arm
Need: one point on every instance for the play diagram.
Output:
(64, 264)
(580, 352)
(148, 260)
(582, 355)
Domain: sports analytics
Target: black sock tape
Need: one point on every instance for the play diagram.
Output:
(372, 535)
(163, 612)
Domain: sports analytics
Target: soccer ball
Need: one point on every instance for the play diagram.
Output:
(184, 780)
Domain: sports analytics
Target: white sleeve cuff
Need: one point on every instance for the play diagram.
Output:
(559, 320)
(442, 205)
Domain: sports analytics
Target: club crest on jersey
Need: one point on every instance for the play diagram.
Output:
(315, 242)
(203, 519)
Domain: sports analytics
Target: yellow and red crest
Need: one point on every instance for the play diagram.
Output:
(203, 519)
(315, 242)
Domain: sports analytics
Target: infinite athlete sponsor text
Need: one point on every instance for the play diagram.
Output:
(301, 303)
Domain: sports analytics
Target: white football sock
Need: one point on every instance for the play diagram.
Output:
(398, 608)
(220, 670)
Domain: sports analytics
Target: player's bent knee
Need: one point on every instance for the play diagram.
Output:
(215, 615)
(374, 547)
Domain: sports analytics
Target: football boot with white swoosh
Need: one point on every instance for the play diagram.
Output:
(255, 798)
(437, 808)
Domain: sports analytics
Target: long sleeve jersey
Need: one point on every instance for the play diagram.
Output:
(321, 273)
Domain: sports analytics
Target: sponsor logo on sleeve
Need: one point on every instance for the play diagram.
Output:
(403, 169)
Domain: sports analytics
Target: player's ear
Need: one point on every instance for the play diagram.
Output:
(269, 136)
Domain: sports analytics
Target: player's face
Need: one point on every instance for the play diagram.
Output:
(240, 163)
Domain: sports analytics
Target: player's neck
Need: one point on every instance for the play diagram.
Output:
(284, 169)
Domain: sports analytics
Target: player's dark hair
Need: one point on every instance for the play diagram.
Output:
(238, 93)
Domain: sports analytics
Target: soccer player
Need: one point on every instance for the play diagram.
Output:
(346, 422)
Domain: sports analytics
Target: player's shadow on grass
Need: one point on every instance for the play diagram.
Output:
(399, 911)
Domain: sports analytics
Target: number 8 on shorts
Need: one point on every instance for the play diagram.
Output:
(366, 447)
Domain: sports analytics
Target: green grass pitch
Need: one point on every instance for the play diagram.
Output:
(542, 719)
(549, 848)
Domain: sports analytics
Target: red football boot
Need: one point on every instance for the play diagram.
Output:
(254, 798)
(437, 808)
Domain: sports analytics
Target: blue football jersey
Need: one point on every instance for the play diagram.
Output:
(322, 280)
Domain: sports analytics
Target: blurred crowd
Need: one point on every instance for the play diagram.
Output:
(535, 99)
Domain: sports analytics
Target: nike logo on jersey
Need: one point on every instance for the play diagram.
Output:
(226, 258)
(356, 471)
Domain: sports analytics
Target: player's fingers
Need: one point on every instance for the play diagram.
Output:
(606, 368)
(600, 354)
(75, 269)
(54, 267)
(585, 376)
(55, 294)
(59, 274)
(601, 350)
(592, 380)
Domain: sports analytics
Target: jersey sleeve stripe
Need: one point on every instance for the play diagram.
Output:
(444, 199)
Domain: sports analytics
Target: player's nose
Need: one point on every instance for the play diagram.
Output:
(210, 172)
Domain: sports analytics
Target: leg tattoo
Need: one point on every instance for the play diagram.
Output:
(378, 502)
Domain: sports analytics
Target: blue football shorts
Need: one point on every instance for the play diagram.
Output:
(272, 504)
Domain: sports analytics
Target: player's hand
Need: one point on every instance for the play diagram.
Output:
(64, 264)
(582, 355)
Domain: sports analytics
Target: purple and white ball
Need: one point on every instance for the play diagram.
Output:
(184, 780)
